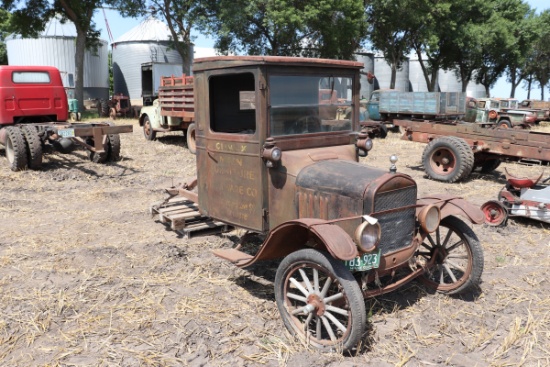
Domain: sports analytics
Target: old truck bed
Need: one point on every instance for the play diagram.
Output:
(176, 97)
(423, 103)
(510, 144)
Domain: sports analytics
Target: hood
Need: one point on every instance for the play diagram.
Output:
(345, 178)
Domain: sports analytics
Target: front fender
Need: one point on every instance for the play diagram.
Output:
(452, 205)
(152, 112)
(303, 233)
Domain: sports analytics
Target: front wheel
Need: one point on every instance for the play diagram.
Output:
(319, 300)
(504, 124)
(148, 131)
(457, 255)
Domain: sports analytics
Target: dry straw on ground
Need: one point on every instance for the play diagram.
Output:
(88, 278)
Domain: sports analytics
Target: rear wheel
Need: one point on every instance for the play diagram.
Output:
(448, 159)
(191, 139)
(111, 149)
(104, 108)
(457, 255)
(34, 146)
(490, 165)
(319, 300)
(16, 149)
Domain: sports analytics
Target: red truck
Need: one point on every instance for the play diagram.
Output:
(33, 120)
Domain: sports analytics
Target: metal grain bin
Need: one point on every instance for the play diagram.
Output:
(367, 59)
(55, 46)
(382, 71)
(416, 76)
(147, 42)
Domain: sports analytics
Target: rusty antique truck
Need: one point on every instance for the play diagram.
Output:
(173, 110)
(277, 158)
(33, 119)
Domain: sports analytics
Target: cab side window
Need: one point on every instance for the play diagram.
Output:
(232, 103)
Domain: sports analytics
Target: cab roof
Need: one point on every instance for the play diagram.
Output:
(221, 62)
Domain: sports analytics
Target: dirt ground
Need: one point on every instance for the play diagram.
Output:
(88, 278)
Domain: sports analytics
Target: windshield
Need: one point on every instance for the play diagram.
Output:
(310, 104)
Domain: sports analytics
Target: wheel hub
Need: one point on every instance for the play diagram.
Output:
(315, 304)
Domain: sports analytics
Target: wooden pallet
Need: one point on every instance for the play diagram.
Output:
(183, 216)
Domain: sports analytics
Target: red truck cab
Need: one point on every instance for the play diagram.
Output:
(31, 94)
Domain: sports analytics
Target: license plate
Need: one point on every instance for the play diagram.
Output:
(66, 133)
(364, 262)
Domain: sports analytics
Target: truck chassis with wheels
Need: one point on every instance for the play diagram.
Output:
(26, 143)
(277, 160)
(33, 114)
(455, 149)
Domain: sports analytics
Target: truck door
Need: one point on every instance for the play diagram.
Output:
(231, 173)
(373, 106)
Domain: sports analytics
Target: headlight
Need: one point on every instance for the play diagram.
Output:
(429, 218)
(367, 234)
(276, 154)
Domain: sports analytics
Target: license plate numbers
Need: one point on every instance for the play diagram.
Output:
(364, 262)
(66, 133)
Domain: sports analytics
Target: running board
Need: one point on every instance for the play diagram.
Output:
(237, 257)
(183, 216)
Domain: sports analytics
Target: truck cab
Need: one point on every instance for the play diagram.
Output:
(31, 94)
(252, 106)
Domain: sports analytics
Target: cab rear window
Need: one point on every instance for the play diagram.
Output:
(31, 77)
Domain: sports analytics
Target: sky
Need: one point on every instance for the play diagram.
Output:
(203, 45)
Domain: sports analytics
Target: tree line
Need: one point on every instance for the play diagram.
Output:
(480, 40)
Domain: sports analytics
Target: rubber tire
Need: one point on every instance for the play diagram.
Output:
(34, 146)
(114, 148)
(462, 154)
(16, 149)
(476, 251)
(191, 139)
(383, 131)
(353, 296)
(504, 124)
(104, 108)
(490, 165)
(152, 135)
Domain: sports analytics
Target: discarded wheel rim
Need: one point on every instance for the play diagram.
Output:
(495, 213)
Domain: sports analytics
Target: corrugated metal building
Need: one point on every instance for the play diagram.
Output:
(149, 41)
(56, 46)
